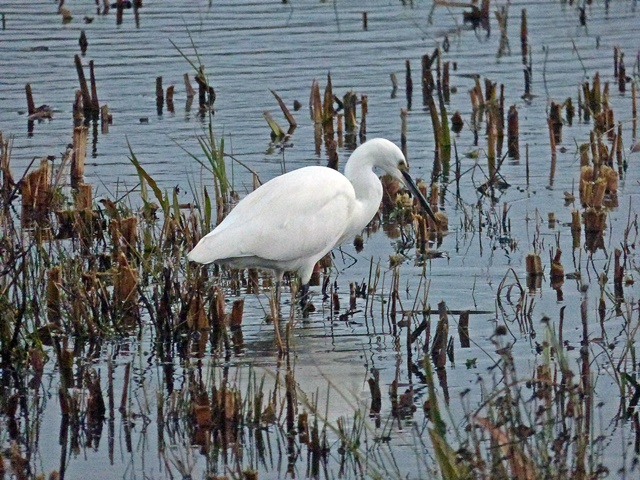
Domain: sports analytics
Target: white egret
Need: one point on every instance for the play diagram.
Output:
(292, 221)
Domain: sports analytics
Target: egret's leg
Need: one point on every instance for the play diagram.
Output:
(277, 315)
(278, 295)
(304, 296)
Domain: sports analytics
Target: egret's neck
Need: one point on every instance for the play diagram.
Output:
(368, 190)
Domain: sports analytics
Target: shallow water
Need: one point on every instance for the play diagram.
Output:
(251, 47)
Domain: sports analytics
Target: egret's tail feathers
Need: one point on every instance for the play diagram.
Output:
(202, 253)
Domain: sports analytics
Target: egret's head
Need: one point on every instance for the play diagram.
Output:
(389, 157)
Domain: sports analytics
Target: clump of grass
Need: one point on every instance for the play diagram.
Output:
(525, 427)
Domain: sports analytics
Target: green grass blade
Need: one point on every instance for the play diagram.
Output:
(445, 456)
(142, 173)
(207, 211)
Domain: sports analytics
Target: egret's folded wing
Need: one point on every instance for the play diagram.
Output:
(297, 215)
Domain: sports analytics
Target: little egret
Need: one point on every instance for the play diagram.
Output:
(294, 220)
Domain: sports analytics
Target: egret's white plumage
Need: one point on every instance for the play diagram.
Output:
(292, 221)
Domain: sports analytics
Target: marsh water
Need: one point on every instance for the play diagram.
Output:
(252, 47)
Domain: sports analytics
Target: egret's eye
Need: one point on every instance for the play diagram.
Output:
(402, 165)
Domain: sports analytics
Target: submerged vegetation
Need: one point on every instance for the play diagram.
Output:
(104, 324)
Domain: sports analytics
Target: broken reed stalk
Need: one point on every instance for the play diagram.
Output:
(458, 172)
(502, 17)
(491, 146)
(159, 96)
(618, 150)
(83, 199)
(513, 148)
(527, 80)
(395, 281)
(523, 35)
(277, 133)
(557, 270)
(315, 102)
(95, 104)
(119, 11)
(576, 229)
(428, 82)
(424, 80)
(584, 155)
(408, 83)
(125, 288)
(350, 101)
(352, 295)
(376, 394)
(456, 122)
(216, 309)
(500, 122)
(159, 89)
(552, 141)
(80, 135)
(394, 84)
(610, 124)
(437, 129)
(5, 168)
(84, 89)
(439, 346)
(586, 390)
(492, 120)
(35, 189)
(206, 93)
(196, 315)
(105, 118)
(328, 112)
(128, 234)
(237, 311)
(622, 74)
(286, 112)
(570, 110)
(634, 109)
(125, 389)
(190, 92)
(82, 41)
(31, 108)
(95, 402)
(534, 265)
(403, 131)
(65, 361)
(446, 89)
(54, 283)
(477, 108)
(463, 329)
(595, 97)
(555, 117)
(595, 155)
(169, 98)
(580, 103)
(618, 275)
(78, 110)
(364, 107)
(291, 401)
(445, 137)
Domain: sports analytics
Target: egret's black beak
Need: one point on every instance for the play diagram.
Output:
(417, 194)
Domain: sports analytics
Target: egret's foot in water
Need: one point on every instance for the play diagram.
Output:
(305, 305)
